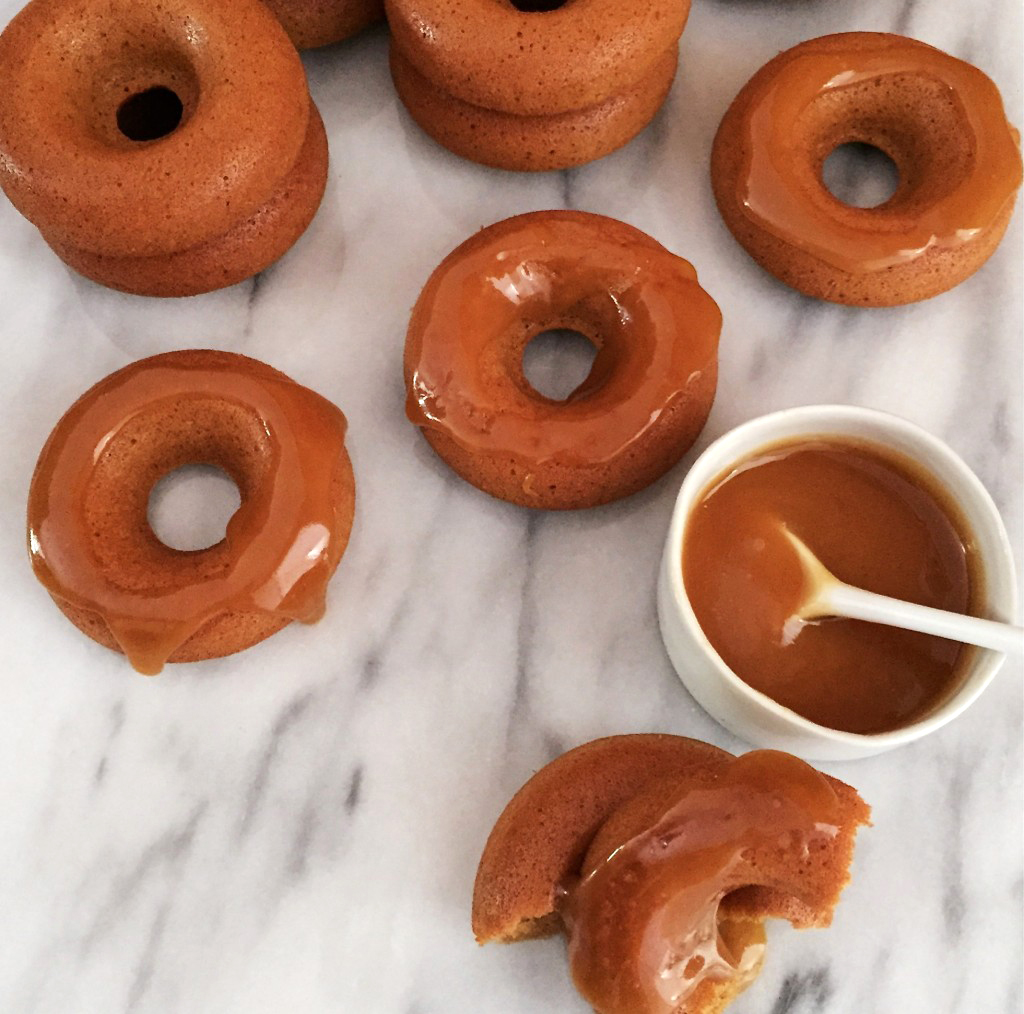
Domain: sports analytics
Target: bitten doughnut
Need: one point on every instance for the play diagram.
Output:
(89, 538)
(661, 857)
(532, 143)
(314, 23)
(646, 398)
(939, 119)
(139, 132)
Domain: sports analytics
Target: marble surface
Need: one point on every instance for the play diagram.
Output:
(297, 828)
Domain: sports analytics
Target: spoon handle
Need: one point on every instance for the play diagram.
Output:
(858, 604)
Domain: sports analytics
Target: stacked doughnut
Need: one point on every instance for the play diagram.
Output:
(534, 84)
(314, 23)
(153, 151)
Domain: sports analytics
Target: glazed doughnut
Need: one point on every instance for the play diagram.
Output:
(89, 537)
(530, 143)
(138, 131)
(541, 59)
(314, 23)
(594, 844)
(939, 119)
(646, 398)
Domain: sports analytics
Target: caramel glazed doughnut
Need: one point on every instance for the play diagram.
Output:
(661, 857)
(154, 153)
(89, 538)
(534, 84)
(939, 119)
(649, 391)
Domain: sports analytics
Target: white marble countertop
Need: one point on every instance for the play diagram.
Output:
(297, 828)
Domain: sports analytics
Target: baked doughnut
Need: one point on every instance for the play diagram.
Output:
(534, 84)
(314, 23)
(535, 57)
(646, 398)
(145, 131)
(90, 541)
(594, 843)
(939, 119)
(531, 143)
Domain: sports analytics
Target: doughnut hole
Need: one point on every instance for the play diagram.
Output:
(914, 121)
(139, 102)
(557, 362)
(538, 6)
(189, 508)
(137, 457)
(150, 114)
(860, 175)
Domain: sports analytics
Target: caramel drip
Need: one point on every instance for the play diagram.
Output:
(774, 193)
(89, 538)
(876, 522)
(644, 931)
(654, 328)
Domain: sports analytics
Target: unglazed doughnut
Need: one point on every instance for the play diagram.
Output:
(542, 59)
(531, 143)
(534, 84)
(145, 131)
(674, 843)
(939, 119)
(90, 541)
(646, 398)
(313, 23)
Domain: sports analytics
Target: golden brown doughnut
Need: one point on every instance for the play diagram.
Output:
(939, 119)
(670, 841)
(314, 23)
(89, 537)
(509, 141)
(244, 250)
(646, 398)
(136, 131)
(535, 57)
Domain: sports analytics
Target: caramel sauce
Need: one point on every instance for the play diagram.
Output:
(963, 201)
(654, 327)
(89, 537)
(644, 926)
(875, 522)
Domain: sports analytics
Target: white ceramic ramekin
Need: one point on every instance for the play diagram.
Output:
(749, 713)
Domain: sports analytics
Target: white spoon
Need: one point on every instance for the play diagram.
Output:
(826, 595)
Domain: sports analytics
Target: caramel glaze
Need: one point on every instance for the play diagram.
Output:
(815, 101)
(874, 521)
(89, 538)
(655, 330)
(643, 922)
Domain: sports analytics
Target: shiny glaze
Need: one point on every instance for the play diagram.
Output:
(644, 929)
(281, 545)
(876, 522)
(654, 327)
(869, 240)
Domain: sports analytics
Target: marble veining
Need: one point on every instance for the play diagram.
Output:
(297, 828)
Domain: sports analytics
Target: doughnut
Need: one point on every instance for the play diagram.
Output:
(241, 252)
(314, 23)
(647, 396)
(594, 844)
(534, 84)
(535, 57)
(145, 131)
(509, 141)
(89, 538)
(939, 119)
